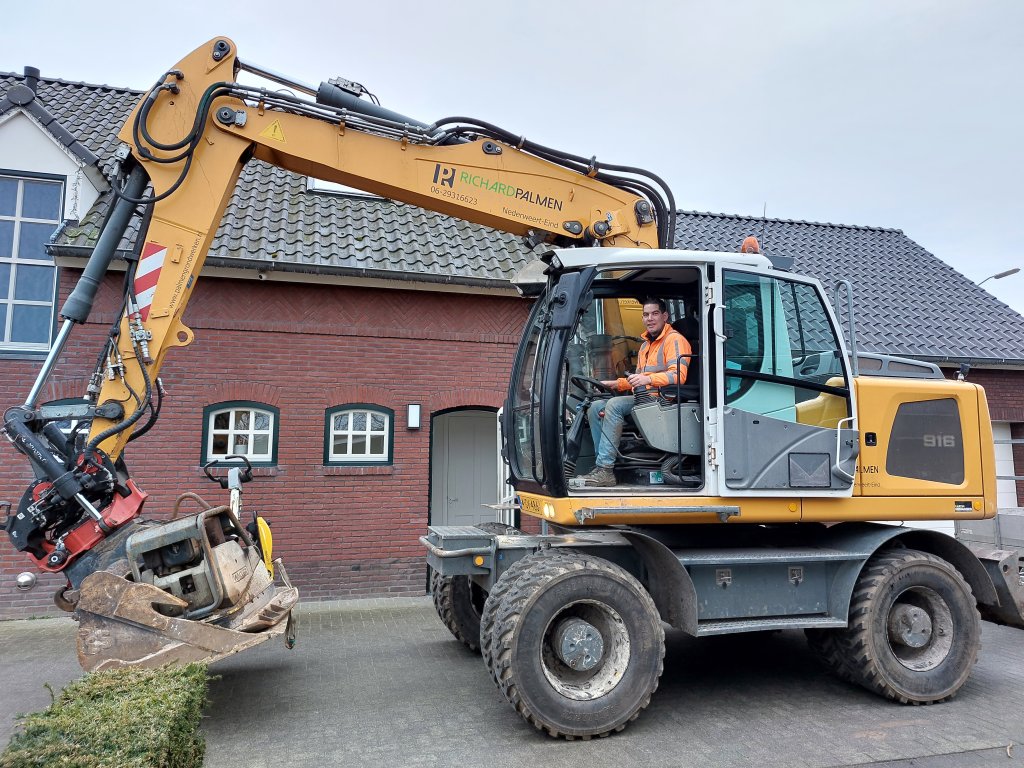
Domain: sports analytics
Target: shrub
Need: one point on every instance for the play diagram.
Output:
(126, 718)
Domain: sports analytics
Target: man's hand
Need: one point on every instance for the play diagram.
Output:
(638, 380)
(612, 384)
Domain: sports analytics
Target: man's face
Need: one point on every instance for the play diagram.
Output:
(654, 320)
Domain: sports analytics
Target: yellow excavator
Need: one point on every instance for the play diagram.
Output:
(750, 494)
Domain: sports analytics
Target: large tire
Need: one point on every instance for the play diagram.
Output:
(578, 646)
(914, 630)
(495, 599)
(458, 601)
(824, 644)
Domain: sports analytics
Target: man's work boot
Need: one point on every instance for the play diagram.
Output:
(598, 477)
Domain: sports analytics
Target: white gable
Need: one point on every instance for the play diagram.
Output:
(26, 146)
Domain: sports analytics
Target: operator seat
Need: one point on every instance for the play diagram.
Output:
(689, 327)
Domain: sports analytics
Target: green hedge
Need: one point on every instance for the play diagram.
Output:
(127, 718)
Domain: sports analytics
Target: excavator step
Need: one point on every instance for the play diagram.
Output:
(730, 626)
(752, 555)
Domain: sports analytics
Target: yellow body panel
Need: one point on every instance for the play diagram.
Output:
(825, 410)
(893, 508)
(757, 510)
(752, 510)
(877, 495)
(879, 398)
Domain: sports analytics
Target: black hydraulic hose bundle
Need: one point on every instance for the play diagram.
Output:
(588, 167)
(146, 400)
(654, 189)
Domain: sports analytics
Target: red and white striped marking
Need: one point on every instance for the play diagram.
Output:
(147, 275)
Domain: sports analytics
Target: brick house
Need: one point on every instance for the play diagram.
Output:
(359, 348)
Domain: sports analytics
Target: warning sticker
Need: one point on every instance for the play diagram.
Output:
(274, 131)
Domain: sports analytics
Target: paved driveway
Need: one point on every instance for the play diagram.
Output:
(381, 682)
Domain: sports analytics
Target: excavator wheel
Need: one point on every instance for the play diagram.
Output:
(459, 602)
(914, 630)
(578, 645)
(824, 644)
(495, 600)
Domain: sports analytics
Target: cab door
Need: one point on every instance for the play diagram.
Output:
(534, 418)
(786, 405)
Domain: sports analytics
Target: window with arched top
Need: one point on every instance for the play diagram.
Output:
(359, 434)
(241, 428)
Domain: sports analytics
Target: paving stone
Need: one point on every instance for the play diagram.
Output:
(375, 682)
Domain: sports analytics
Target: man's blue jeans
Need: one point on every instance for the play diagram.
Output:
(607, 431)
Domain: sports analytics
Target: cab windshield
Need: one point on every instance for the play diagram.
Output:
(563, 375)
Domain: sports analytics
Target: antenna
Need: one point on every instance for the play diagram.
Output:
(764, 221)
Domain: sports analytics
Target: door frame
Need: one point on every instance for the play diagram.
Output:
(433, 446)
(717, 335)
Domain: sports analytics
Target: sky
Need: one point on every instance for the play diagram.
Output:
(903, 114)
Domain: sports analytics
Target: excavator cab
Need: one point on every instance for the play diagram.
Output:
(767, 403)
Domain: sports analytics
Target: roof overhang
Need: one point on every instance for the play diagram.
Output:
(76, 257)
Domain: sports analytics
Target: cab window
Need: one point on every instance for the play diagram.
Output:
(781, 350)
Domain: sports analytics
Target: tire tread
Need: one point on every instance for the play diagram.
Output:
(849, 652)
(540, 570)
(443, 589)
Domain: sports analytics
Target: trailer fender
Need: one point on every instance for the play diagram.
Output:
(668, 582)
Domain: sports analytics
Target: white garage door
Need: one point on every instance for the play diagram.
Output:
(1006, 489)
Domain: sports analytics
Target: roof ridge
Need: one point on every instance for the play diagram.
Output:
(82, 83)
(791, 221)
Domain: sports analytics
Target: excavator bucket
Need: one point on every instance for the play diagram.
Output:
(119, 626)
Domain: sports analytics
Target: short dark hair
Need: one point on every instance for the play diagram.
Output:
(662, 306)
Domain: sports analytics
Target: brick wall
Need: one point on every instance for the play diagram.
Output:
(342, 531)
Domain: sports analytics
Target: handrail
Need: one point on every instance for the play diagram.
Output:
(854, 365)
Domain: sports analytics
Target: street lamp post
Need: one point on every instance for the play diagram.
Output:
(1000, 275)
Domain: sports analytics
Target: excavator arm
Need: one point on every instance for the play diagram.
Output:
(185, 145)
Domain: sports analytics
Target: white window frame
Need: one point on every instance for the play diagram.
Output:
(15, 260)
(387, 432)
(250, 432)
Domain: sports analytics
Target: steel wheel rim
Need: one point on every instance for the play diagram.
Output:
(919, 629)
(607, 673)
